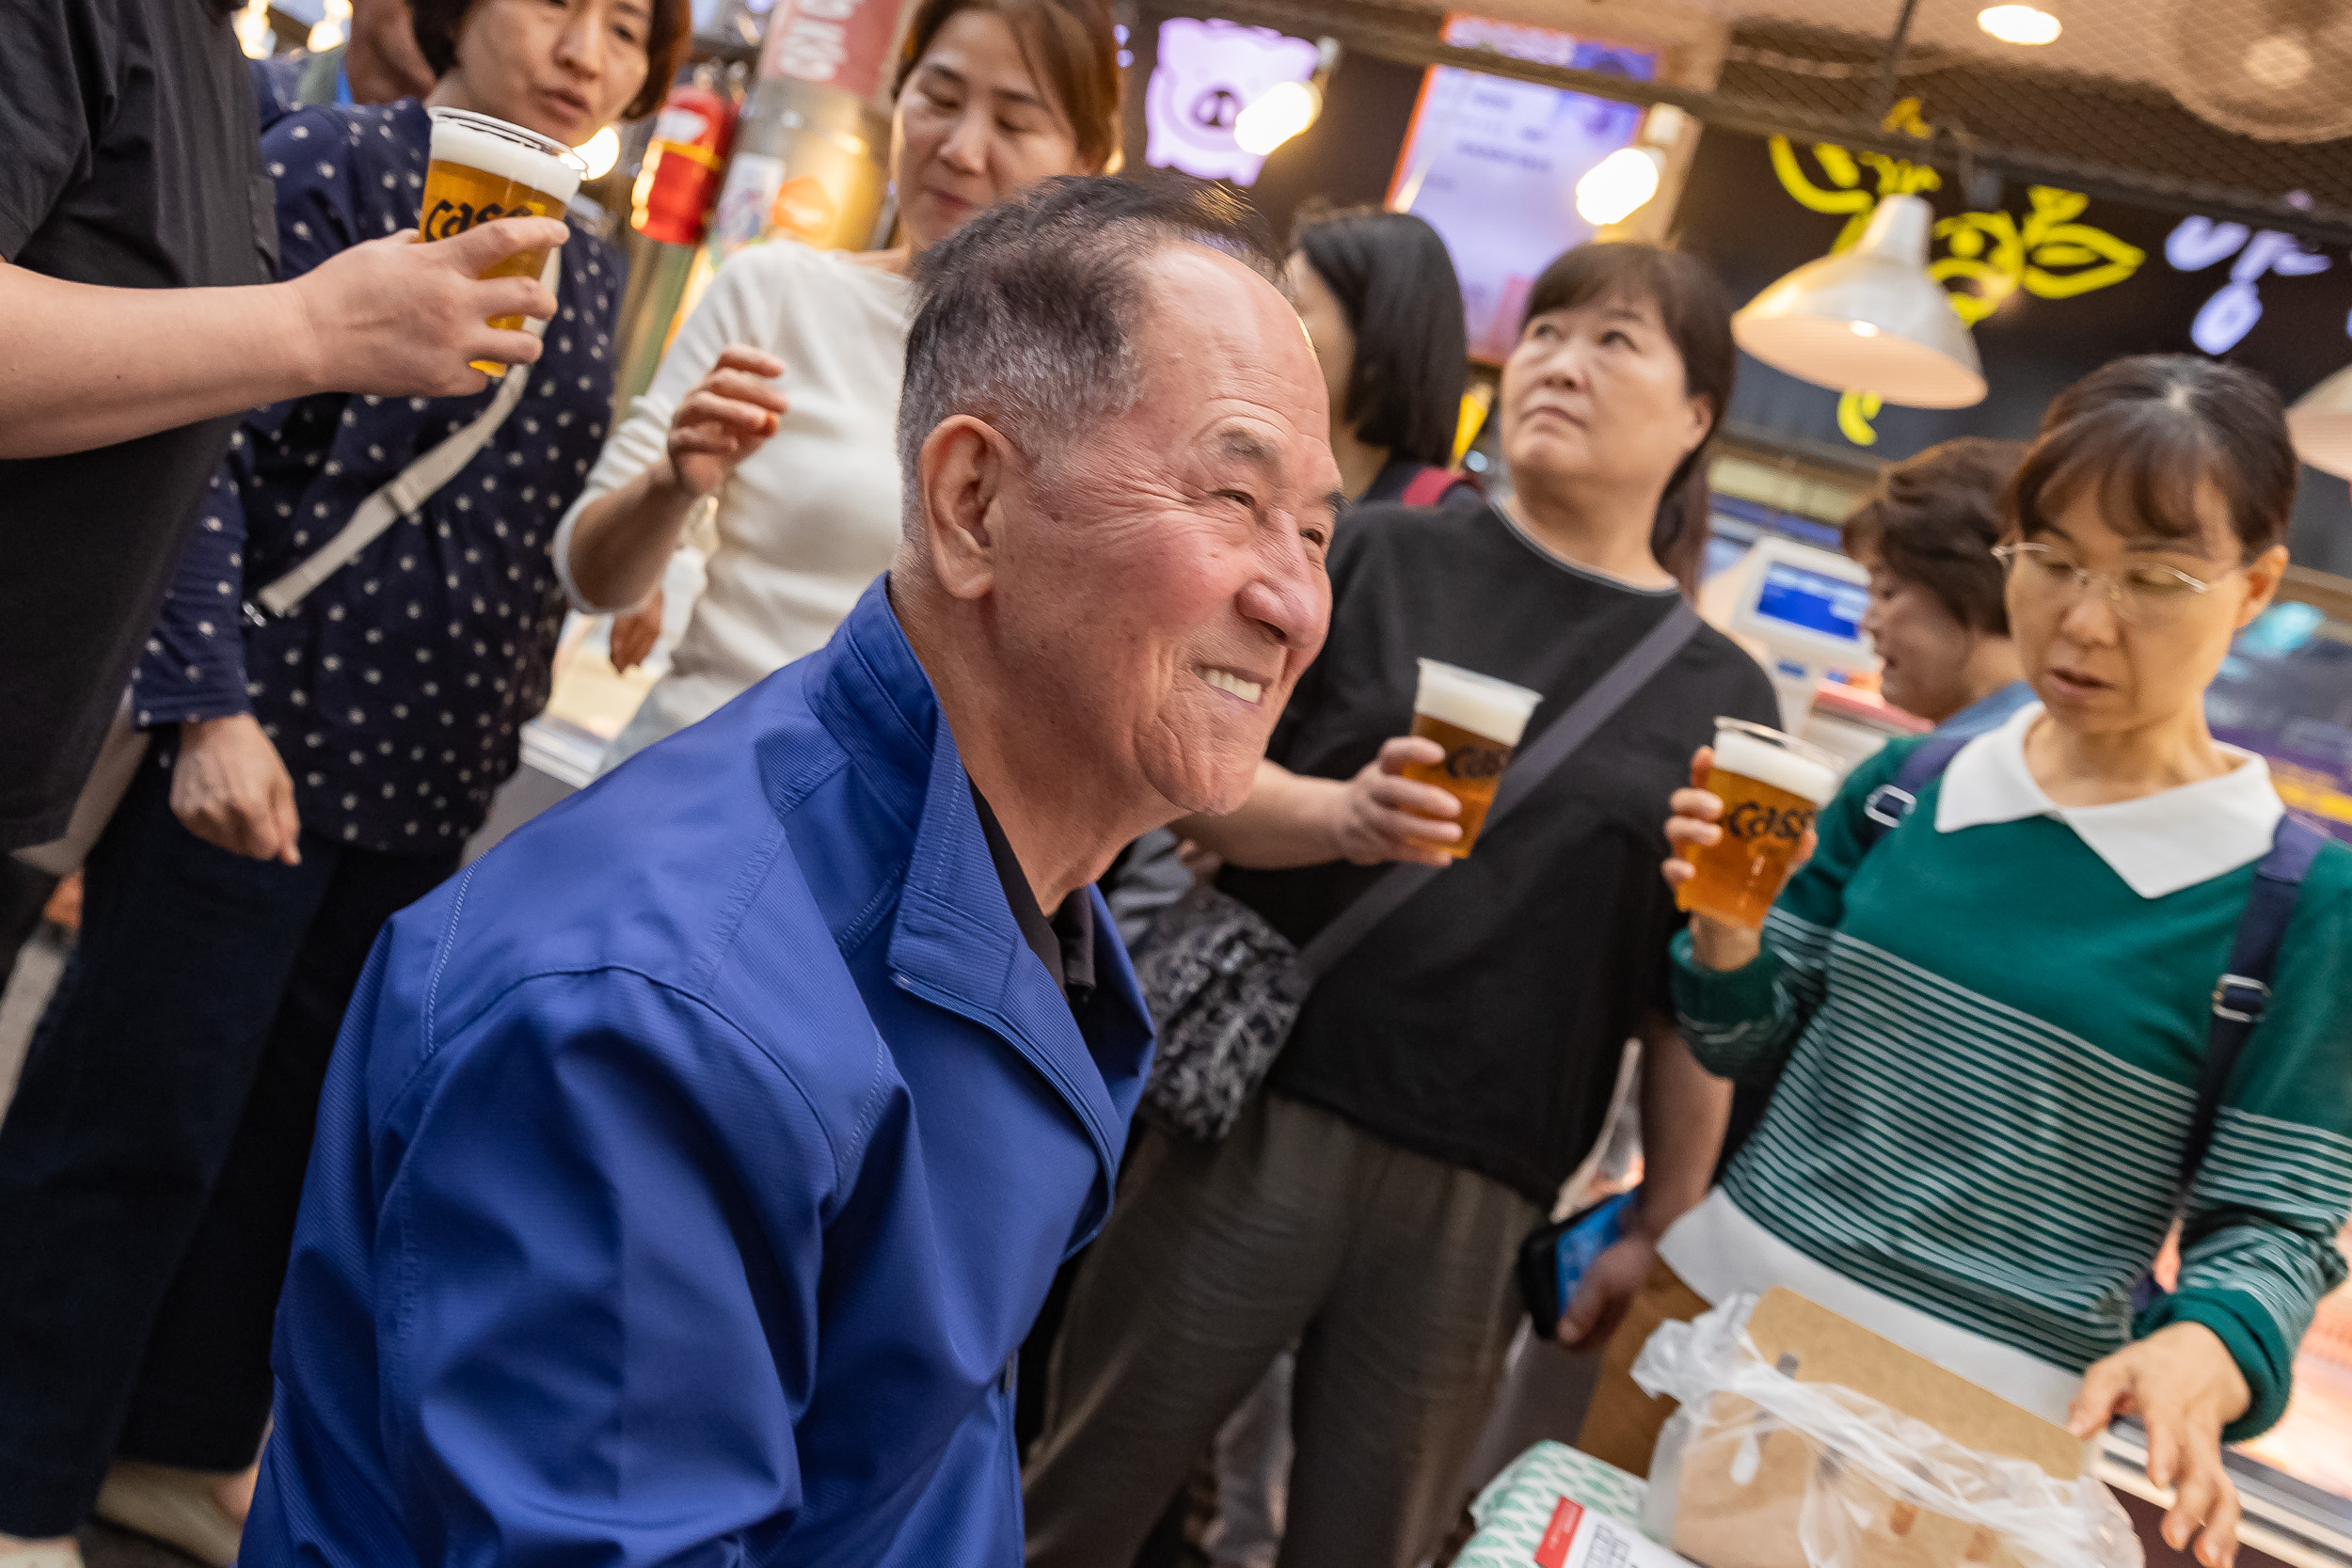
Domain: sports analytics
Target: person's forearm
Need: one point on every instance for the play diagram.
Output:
(1287, 821)
(83, 367)
(1685, 1109)
(624, 537)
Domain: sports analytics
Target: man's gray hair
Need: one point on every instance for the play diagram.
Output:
(1028, 311)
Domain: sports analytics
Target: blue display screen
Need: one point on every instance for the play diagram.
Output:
(1813, 601)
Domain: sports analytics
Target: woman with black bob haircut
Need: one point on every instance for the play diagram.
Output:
(1383, 308)
(2004, 1028)
(1450, 1071)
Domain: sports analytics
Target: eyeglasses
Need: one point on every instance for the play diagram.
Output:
(2144, 594)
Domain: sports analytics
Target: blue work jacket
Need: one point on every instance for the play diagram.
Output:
(692, 1167)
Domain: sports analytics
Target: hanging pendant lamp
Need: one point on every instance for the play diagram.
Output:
(1870, 317)
(2321, 425)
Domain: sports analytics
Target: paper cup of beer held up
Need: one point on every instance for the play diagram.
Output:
(483, 169)
(1770, 786)
(1478, 720)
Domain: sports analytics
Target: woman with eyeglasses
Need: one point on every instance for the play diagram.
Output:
(1989, 1021)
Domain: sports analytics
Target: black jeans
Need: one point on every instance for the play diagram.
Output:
(152, 1160)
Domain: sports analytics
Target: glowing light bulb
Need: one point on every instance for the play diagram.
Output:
(1612, 189)
(326, 34)
(1276, 115)
(600, 152)
(254, 34)
(2018, 25)
(1862, 329)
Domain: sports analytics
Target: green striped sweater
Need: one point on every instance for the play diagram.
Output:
(1988, 1047)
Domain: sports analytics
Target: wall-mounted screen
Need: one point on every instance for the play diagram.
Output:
(1492, 165)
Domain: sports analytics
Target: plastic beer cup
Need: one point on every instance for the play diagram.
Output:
(1478, 720)
(1771, 784)
(483, 169)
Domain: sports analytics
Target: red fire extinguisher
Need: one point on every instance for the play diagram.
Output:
(682, 168)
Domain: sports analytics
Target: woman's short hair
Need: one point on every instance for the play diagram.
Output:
(1933, 520)
(2151, 432)
(1391, 276)
(436, 23)
(1696, 314)
(1067, 45)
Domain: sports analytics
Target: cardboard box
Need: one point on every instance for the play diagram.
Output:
(1740, 1502)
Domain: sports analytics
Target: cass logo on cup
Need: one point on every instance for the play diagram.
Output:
(1755, 820)
(454, 217)
(1475, 762)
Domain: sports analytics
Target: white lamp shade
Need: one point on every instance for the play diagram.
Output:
(1871, 318)
(2321, 425)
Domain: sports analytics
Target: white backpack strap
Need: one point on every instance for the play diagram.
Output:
(413, 485)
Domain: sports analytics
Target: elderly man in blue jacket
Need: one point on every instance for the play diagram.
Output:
(692, 1167)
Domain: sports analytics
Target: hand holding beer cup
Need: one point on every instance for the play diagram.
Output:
(483, 169)
(1741, 831)
(399, 319)
(1474, 722)
(1387, 815)
(728, 416)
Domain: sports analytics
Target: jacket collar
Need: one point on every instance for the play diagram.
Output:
(2158, 843)
(954, 940)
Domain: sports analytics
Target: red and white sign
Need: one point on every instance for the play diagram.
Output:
(1552, 1550)
(834, 43)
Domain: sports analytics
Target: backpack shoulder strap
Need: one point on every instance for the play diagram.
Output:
(1892, 801)
(2242, 995)
(1427, 488)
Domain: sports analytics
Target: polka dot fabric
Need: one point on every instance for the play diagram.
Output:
(397, 691)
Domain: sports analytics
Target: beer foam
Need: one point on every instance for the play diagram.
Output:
(1739, 753)
(1469, 701)
(510, 153)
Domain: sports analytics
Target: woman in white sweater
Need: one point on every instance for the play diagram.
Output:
(779, 399)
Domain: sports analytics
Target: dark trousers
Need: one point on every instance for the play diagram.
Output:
(152, 1160)
(1390, 1272)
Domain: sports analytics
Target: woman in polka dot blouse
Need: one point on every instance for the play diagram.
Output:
(311, 774)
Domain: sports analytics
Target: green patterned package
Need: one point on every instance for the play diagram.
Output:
(1553, 1507)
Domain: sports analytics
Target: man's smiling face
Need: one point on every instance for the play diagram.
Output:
(1177, 590)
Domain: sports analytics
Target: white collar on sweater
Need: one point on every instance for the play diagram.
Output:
(2158, 843)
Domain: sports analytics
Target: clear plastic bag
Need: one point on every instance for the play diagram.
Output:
(1867, 1484)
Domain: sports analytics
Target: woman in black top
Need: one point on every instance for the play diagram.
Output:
(1449, 1073)
(1383, 308)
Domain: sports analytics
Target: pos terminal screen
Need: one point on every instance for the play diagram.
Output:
(1812, 601)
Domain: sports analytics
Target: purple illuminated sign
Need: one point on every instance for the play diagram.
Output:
(1208, 72)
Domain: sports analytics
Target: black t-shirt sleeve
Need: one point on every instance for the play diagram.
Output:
(53, 90)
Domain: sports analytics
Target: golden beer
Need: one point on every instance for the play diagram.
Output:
(1478, 720)
(1770, 786)
(483, 169)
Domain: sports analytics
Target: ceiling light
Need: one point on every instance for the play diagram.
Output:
(600, 152)
(2018, 25)
(1275, 116)
(2321, 425)
(1870, 317)
(1615, 188)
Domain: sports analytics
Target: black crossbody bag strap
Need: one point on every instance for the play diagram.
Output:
(2242, 995)
(1523, 777)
